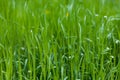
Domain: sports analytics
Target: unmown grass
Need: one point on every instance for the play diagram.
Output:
(59, 40)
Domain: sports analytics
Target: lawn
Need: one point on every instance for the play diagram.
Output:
(60, 39)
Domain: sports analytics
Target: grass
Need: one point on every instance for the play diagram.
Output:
(59, 40)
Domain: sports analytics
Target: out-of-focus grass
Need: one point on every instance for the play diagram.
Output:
(59, 40)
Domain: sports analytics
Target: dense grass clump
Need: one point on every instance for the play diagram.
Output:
(59, 40)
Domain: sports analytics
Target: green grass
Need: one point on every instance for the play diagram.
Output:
(59, 40)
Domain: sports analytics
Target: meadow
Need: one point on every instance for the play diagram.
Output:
(59, 39)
